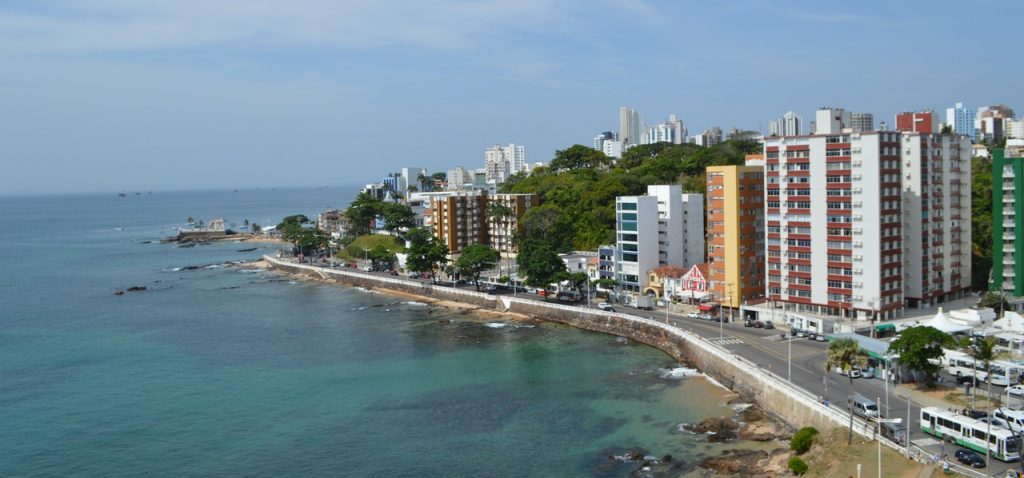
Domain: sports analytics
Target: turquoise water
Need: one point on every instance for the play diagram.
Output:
(217, 371)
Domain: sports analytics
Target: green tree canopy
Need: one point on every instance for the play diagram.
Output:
(539, 263)
(363, 210)
(578, 156)
(425, 253)
(381, 258)
(475, 259)
(917, 345)
(397, 216)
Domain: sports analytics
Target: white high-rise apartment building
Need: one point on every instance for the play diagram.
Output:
(500, 162)
(411, 177)
(612, 149)
(631, 127)
(936, 217)
(671, 131)
(459, 178)
(961, 120)
(788, 125)
(664, 227)
(843, 256)
(862, 122)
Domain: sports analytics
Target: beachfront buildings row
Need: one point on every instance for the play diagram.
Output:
(663, 227)
(859, 225)
(462, 218)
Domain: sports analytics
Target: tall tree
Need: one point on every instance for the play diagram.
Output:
(918, 345)
(846, 355)
(474, 260)
(397, 217)
(539, 262)
(425, 253)
(361, 213)
(381, 258)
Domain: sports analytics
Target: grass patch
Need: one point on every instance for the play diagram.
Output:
(833, 458)
(354, 251)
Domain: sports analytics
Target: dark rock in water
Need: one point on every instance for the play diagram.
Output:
(138, 288)
(118, 292)
(666, 459)
(444, 321)
(719, 429)
(191, 244)
(249, 249)
(751, 414)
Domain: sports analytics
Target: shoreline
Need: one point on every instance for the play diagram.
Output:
(461, 307)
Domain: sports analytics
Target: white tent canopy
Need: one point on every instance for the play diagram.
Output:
(941, 322)
(1011, 321)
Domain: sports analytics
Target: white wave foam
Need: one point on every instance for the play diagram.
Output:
(496, 325)
(678, 373)
(413, 302)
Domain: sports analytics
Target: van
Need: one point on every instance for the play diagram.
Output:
(895, 432)
(863, 406)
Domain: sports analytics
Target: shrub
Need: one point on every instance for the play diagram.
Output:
(803, 439)
(797, 466)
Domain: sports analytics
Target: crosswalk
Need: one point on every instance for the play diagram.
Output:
(726, 341)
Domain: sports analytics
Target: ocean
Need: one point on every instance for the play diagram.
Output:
(215, 370)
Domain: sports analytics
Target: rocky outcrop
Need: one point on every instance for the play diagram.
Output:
(719, 429)
(749, 463)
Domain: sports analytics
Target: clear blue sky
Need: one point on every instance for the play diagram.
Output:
(110, 95)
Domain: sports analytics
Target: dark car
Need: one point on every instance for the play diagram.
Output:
(970, 457)
(748, 323)
(971, 379)
(976, 414)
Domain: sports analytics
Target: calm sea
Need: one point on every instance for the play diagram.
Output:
(216, 371)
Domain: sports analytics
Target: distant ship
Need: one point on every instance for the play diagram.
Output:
(121, 195)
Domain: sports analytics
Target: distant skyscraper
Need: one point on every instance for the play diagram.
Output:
(961, 120)
(862, 122)
(631, 126)
(671, 131)
(601, 138)
(788, 125)
(501, 162)
(709, 137)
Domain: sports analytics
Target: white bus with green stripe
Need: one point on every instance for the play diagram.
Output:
(970, 433)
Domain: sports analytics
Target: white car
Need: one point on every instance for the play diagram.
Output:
(854, 373)
(1017, 390)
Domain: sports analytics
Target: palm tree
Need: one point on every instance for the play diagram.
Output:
(424, 181)
(500, 213)
(984, 350)
(845, 355)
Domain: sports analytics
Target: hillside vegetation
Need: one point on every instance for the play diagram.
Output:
(579, 186)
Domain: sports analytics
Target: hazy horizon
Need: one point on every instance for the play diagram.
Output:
(107, 95)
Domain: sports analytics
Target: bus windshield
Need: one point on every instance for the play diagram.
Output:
(1012, 444)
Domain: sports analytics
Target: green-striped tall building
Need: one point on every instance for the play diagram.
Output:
(1007, 224)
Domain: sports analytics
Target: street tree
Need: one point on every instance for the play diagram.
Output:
(361, 213)
(397, 217)
(539, 262)
(474, 260)
(846, 355)
(917, 345)
(381, 258)
(425, 253)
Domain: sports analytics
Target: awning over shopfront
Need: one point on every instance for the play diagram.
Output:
(708, 306)
(885, 328)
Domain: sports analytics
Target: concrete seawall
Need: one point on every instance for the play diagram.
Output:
(794, 405)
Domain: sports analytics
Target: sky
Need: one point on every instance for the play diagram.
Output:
(135, 95)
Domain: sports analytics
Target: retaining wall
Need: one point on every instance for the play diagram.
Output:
(793, 404)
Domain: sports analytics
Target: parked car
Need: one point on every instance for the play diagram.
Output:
(854, 373)
(768, 324)
(758, 324)
(748, 323)
(606, 307)
(970, 458)
(896, 432)
(800, 333)
(820, 338)
(867, 372)
(704, 317)
(693, 315)
(1017, 390)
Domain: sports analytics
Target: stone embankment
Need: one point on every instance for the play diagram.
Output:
(795, 406)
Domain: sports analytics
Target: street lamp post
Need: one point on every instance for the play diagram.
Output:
(878, 436)
(789, 358)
